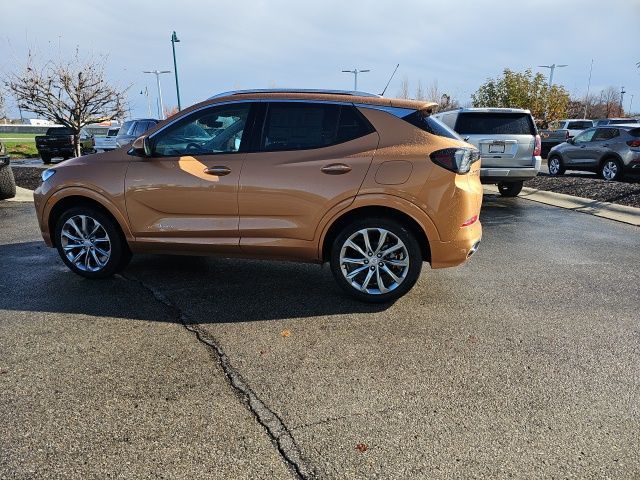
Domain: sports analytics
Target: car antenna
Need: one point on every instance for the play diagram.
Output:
(390, 78)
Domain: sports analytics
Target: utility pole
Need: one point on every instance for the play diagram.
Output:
(622, 92)
(157, 73)
(586, 99)
(174, 40)
(355, 72)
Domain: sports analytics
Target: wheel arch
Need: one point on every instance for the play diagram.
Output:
(59, 203)
(335, 226)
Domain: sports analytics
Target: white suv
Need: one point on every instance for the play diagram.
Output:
(508, 141)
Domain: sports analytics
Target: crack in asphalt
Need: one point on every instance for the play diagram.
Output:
(274, 426)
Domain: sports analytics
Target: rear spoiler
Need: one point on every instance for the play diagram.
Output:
(425, 108)
(428, 108)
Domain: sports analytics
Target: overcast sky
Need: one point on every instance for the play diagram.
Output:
(233, 44)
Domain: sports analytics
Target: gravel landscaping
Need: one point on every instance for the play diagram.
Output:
(590, 186)
(579, 184)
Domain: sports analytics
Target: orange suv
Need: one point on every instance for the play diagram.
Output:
(372, 185)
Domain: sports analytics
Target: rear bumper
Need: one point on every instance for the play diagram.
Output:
(500, 174)
(456, 252)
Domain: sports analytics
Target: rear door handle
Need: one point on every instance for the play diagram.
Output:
(220, 171)
(336, 169)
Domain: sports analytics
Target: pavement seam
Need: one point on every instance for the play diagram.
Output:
(280, 435)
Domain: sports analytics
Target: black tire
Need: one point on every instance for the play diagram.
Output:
(46, 159)
(611, 169)
(7, 183)
(411, 254)
(556, 168)
(119, 254)
(510, 189)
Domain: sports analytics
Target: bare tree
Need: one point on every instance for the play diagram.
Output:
(420, 95)
(72, 92)
(610, 102)
(404, 88)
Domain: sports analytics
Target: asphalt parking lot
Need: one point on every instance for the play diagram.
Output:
(524, 363)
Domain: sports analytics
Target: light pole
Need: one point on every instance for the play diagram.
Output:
(174, 40)
(622, 92)
(157, 73)
(630, 103)
(586, 99)
(355, 72)
(552, 69)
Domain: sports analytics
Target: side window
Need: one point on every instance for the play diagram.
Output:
(218, 129)
(605, 134)
(584, 137)
(139, 129)
(126, 128)
(351, 125)
(579, 125)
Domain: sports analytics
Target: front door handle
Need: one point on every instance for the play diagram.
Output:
(220, 171)
(336, 169)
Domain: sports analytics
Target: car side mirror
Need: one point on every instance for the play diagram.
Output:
(141, 146)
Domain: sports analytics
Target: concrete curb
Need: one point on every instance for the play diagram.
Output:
(22, 195)
(612, 211)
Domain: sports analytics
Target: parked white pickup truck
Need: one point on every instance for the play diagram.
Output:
(104, 144)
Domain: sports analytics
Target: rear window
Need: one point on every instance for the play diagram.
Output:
(431, 125)
(112, 132)
(635, 132)
(59, 131)
(490, 123)
(622, 121)
(579, 125)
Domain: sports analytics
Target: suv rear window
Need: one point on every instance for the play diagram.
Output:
(495, 123)
(579, 125)
(300, 126)
(59, 131)
(431, 125)
(635, 132)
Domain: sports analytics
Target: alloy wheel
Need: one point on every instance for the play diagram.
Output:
(85, 243)
(609, 170)
(374, 261)
(554, 166)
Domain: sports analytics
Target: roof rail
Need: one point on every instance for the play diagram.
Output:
(295, 90)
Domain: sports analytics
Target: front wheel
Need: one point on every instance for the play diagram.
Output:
(90, 243)
(611, 169)
(7, 183)
(510, 189)
(376, 260)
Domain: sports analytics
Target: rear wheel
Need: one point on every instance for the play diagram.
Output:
(556, 167)
(611, 169)
(90, 243)
(46, 159)
(510, 189)
(376, 260)
(7, 183)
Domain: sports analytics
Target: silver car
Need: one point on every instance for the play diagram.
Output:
(508, 141)
(610, 151)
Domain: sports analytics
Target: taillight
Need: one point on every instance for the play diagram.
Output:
(458, 160)
(634, 143)
(537, 151)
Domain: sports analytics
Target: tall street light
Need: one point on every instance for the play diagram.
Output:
(552, 68)
(157, 73)
(355, 72)
(174, 40)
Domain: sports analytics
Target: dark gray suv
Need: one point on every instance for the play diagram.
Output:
(609, 151)
(132, 129)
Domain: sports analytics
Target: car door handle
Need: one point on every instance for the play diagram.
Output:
(220, 171)
(336, 169)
